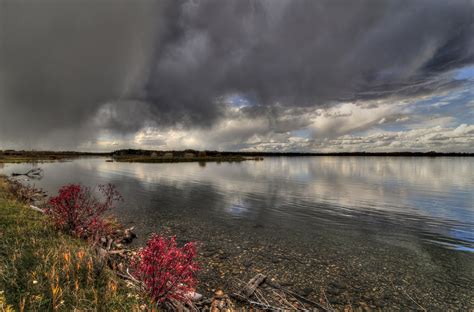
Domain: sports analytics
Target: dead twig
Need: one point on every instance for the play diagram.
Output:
(301, 298)
(258, 304)
(327, 300)
(287, 302)
(411, 298)
(405, 292)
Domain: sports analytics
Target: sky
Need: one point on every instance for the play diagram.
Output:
(248, 75)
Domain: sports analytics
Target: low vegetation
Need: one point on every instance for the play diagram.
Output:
(166, 270)
(51, 261)
(146, 156)
(12, 156)
(43, 269)
(77, 212)
(172, 159)
(189, 155)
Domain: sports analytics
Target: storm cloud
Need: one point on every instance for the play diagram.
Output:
(71, 68)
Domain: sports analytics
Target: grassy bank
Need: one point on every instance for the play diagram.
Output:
(34, 159)
(11, 156)
(42, 269)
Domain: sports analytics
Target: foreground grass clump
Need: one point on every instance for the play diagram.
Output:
(43, 269)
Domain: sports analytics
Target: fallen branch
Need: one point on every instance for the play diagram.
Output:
(34, 173)
(252, 285)
(36, 209)
(289, 292)
(116, 252)
(255, 303)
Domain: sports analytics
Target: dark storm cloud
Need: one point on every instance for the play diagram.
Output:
(169, 62)
(60, 60)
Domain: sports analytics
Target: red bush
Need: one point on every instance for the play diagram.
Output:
(78, 212)
(167, 271)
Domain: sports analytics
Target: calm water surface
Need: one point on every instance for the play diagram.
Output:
(388, 225)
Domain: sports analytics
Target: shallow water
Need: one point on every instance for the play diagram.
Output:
(397, 225)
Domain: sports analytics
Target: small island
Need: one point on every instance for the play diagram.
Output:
(149, 156)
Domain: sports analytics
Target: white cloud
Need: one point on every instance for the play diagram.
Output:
(436, 138)
(389, 125)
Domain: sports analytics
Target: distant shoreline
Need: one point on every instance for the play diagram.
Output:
(12, 156)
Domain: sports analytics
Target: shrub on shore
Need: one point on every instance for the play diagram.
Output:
(42, 269)
(166, 270)
(79, 213)
(50, 270)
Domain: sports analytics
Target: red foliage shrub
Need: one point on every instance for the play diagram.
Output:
(167, 271)
(78, 212)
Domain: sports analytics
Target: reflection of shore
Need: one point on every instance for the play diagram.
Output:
(415, 194)
(407, 185)
(430, 172)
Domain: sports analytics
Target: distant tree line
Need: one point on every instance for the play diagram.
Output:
(207, 153)
(176, 153)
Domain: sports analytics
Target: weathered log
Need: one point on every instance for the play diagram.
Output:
(128, 236)
(253, 284)
(36, 208)
(32, 173)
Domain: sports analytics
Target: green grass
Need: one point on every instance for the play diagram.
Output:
(42, 269)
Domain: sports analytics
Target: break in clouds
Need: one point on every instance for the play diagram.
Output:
(234, 74)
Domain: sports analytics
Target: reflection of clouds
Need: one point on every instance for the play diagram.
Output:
(237, 207)
(292, 192)
(438, 187)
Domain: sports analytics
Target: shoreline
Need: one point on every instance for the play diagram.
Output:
(44, 269)
(111, 258)
(156, 156)
(348, 274)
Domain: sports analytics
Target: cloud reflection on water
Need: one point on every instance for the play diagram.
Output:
(426, 195)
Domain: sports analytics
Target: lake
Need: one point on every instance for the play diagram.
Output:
(390, 232)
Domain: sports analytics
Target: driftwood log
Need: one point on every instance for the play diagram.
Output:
(36, 209)
(34, 173)
(252, 285)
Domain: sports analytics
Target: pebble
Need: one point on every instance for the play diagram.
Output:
(223, 256)
(275, 260)
(208, 253)
(333, 291)
(219, 294)
(305, 292)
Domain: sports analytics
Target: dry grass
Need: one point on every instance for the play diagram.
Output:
(41, 269)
